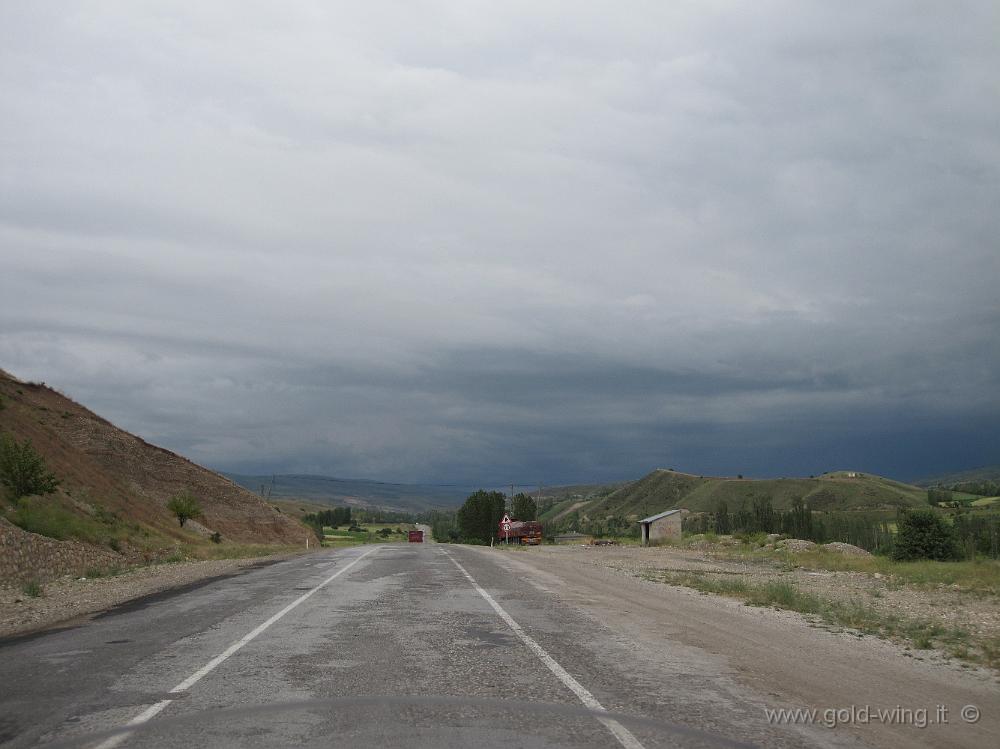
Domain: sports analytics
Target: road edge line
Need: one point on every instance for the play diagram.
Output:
(620, 732)
(153, 710)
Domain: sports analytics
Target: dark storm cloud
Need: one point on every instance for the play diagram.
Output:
(547, 241)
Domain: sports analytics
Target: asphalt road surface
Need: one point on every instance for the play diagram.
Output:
(381, 646)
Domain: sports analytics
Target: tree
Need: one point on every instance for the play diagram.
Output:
(22, 469)
(797, 522)
(936, 497)
(523, 507)
(924, 534)
(722, 525)
(479, 518)
(185, 506)
(764, 519)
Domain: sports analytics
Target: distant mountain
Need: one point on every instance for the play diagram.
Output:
(666, 489)
(986, 473)
(365, 493)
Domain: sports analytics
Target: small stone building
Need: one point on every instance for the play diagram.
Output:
(664, 525)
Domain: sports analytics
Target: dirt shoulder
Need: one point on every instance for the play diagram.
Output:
(950, 618)
(781, 656)
(69, 598)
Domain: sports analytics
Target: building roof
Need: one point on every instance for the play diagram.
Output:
(651, 518)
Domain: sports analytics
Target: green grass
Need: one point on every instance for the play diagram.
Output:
(51, 517)
(48, 518)
(32, 589)
(369, 535)
(196, 552)
(856, 615)
(980, 576)
(662, 489)
(985, 501)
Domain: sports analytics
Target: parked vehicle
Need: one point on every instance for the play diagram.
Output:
(527, 532)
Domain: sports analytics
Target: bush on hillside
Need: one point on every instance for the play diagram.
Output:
(924, 534)
(22, 469)
(185, 507)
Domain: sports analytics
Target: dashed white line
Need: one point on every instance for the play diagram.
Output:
(620, 732)
(155, 709)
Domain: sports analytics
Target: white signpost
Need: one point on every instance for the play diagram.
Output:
(505, 524)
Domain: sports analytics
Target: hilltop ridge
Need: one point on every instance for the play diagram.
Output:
(665, 488)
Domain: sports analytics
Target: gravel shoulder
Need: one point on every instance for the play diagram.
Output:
(946, 606)
(776, 653)
(70, 598)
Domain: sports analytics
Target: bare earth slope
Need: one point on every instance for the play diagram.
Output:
(106, 469)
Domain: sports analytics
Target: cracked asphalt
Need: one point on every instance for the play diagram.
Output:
(398, 649)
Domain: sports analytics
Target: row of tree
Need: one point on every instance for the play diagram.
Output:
(919, 534)
(869, 531)
(477, 520)
(334, 518)
(982, 487)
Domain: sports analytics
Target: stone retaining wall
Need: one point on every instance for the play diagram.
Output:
(26, 557)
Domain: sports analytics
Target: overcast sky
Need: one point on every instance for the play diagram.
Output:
(517, 241)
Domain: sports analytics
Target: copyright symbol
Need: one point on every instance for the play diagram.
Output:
(970, 714)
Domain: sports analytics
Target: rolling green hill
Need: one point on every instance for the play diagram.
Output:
(557, 501)
(664, 489)
(986, 473)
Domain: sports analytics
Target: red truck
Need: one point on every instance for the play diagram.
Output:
(416, 537)
(526, 532)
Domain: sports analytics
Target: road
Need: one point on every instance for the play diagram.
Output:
(389, 645)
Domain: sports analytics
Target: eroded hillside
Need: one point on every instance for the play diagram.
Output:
(114, 486)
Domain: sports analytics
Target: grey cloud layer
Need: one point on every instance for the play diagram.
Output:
(449, 240)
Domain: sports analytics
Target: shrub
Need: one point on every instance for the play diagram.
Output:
(55, 521)
(216, 538)
(924, 534)
(31, 588)
(185, 507)
(22, 469)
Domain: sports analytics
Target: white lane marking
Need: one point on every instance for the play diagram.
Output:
(620, 732)
(153, 710)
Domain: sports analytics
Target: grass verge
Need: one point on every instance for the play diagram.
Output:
(856, 615)
(193, 552)
(980, 576)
